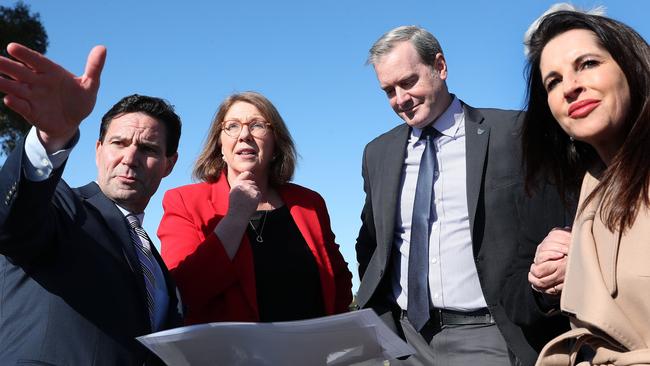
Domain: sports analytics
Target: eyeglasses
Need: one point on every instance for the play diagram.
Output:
(256, 128)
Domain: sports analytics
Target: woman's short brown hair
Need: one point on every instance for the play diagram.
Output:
(210, 163)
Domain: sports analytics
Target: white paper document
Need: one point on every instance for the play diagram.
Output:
(343, 339)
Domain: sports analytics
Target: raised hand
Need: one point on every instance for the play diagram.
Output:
(242, 202)
(244, 196)
(546, 274)
(48, 96)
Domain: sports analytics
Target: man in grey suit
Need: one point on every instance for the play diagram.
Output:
(440, 220)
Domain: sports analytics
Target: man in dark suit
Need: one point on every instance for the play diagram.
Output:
(79, 278)
(440, 220)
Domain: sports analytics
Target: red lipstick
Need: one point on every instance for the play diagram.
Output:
(582, 108)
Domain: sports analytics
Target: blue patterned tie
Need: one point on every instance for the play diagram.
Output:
(418, 271)
(142, 244)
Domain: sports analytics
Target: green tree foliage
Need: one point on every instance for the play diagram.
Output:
(17, 25)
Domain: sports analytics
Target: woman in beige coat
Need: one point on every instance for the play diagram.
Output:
(589, 120)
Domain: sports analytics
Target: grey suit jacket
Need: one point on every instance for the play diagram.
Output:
(494, 196)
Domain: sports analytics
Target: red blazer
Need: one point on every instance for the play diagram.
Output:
(215, 288)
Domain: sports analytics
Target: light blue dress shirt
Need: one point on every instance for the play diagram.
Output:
(453, 278)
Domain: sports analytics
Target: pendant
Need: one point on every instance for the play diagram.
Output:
(258, 234)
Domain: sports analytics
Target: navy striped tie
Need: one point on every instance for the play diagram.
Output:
(142, 244)
(418, 271)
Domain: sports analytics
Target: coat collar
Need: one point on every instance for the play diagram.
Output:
(477, 137)
(590, 283)
(220, 199)
(117, 241)
(385, 202)
(607, 252)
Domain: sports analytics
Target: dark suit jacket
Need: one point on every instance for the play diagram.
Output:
(494, 196)
(69, 294)
(540, 319)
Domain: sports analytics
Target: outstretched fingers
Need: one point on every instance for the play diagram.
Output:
(20, 106)
(46, 94)
(13, 87)
(16, 70)
(31, 58)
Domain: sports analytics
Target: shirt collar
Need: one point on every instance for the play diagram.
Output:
(449, 122)
(124, 212)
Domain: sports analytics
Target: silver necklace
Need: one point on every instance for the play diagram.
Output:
(258, 235)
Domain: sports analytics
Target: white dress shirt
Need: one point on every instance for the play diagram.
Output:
(453, 279)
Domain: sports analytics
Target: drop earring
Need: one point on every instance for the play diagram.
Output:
(572, 147)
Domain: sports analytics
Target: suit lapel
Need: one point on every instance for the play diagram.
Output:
(477, 137)
(175, 311)
(388, 180)
(116, 240)
(307, 221)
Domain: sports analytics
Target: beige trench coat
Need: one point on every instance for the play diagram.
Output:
(606, 291)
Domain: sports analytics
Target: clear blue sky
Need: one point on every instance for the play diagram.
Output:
(306, 56)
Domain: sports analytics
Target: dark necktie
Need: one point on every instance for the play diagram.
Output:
(142, 244)
(418, 271)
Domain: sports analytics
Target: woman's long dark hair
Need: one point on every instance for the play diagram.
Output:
(549, 153)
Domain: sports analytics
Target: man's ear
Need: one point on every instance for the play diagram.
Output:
(98, 146)
(440, 65)
(171, 161)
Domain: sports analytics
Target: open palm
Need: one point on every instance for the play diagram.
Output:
(47, 95)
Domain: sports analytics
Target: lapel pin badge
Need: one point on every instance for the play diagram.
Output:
(480, 131)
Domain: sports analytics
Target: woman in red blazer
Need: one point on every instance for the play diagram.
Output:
(244, 244)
